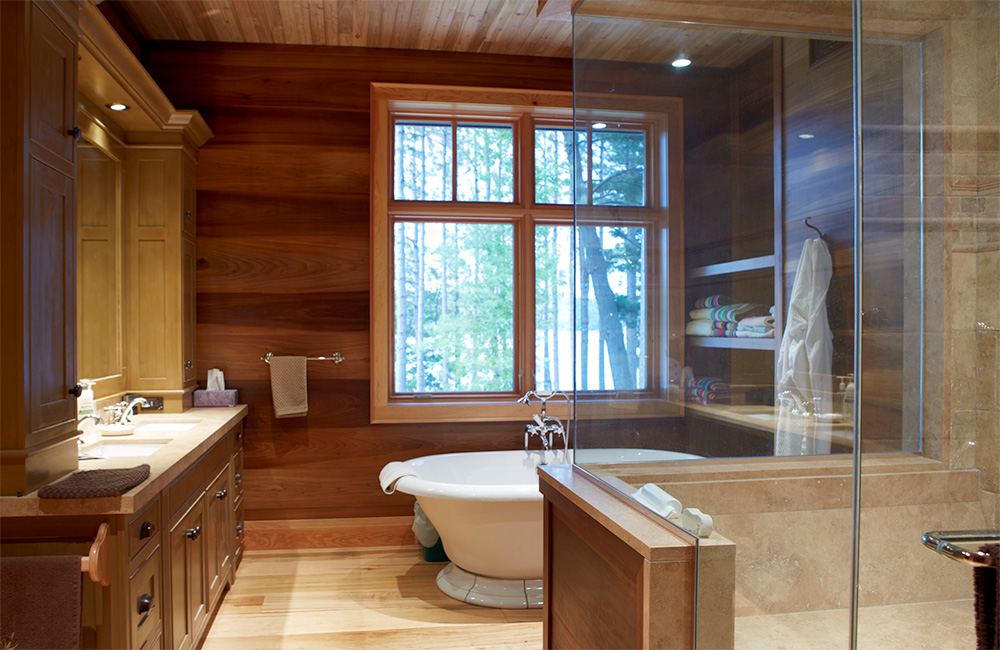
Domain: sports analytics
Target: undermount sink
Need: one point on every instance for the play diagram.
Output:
(164, 427)
(124, 449)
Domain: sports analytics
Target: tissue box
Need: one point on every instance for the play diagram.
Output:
(226, 397)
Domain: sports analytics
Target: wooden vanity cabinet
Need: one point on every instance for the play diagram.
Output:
(38, 46)
(170, 561)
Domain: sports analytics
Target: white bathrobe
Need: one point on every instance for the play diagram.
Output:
(805, 358)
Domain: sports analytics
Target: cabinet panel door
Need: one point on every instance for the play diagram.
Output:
(189, 606)
(189, 312)
(52, 308)
(219, 515)
(53, 87)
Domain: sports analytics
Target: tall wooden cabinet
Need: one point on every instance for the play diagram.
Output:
(38, 47)
(161, 259)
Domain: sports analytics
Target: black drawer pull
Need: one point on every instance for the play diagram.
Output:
(145, 603)
(76, 133)
(193, 533)
(239, 528)
(221, 494)
(146, 530)
(239, 436)
(239, 476)
(76, 391)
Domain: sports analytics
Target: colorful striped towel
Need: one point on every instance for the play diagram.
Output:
(710, 328)
(730, 313)
(715, 300)
(709, 383)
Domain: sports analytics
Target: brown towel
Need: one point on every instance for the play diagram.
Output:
(93, 483)
(987, 590)
(288, 387)
(41, 602)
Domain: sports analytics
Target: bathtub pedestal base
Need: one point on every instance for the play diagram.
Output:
(489, 592)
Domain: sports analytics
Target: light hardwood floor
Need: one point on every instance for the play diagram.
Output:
(373, 598)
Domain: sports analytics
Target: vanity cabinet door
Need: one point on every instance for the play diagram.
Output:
(52, 118)
(188, 586)
(218, 519)
(52, 299)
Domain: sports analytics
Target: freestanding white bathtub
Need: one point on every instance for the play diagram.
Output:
(487, 508)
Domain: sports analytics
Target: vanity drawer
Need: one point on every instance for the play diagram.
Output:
(145, 593)
(143, 528)
(183, 491)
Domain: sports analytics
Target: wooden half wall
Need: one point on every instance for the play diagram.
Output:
(283, 255)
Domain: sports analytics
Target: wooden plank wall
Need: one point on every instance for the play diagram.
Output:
(283, 255)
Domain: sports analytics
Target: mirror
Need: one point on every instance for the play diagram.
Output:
(100, 348)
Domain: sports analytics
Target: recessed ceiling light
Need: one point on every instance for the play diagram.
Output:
(118, 106)
(600, 125)
(681, 62)
(806, 136)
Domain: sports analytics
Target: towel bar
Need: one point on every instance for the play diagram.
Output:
(946, 542)
(95, 563)
(336, 357)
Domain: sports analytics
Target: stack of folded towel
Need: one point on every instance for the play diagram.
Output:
(716, 316)
(707, 390)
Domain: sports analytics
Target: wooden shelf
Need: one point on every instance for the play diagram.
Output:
(735, 266)
(731, 343)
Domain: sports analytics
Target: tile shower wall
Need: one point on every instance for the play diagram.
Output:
(972, 206)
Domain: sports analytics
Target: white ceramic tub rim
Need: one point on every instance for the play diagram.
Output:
(478, 489)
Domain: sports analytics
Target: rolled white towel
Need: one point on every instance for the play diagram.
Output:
(391, 473)
(658, 500)
(756, 321)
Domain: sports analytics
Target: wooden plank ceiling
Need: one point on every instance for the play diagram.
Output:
(514, 27)
(485, 26)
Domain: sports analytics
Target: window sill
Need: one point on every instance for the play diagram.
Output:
(443, 411)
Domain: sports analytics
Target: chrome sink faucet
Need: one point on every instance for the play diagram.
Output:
(546, 427)
(123, 411)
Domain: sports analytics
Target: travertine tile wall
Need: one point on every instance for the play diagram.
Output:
(972, 209)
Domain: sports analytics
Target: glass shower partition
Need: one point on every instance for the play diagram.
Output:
(785, 255)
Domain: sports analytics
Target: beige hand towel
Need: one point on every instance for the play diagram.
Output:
(288, 387)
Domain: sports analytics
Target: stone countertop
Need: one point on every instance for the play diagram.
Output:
(181, 450)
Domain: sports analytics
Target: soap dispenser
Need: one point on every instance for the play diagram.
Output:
(85, 403)
(841, 390)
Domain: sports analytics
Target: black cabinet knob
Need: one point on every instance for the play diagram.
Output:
(239, 436)
(239, 476)
(145, 603)
(239, 528)
(221, 494)
(75, 132)
(146, 530)
(76, 391)
(193, 533)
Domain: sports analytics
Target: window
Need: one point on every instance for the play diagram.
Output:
(472, 248)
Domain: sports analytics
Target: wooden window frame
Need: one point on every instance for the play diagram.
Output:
(522, 109)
